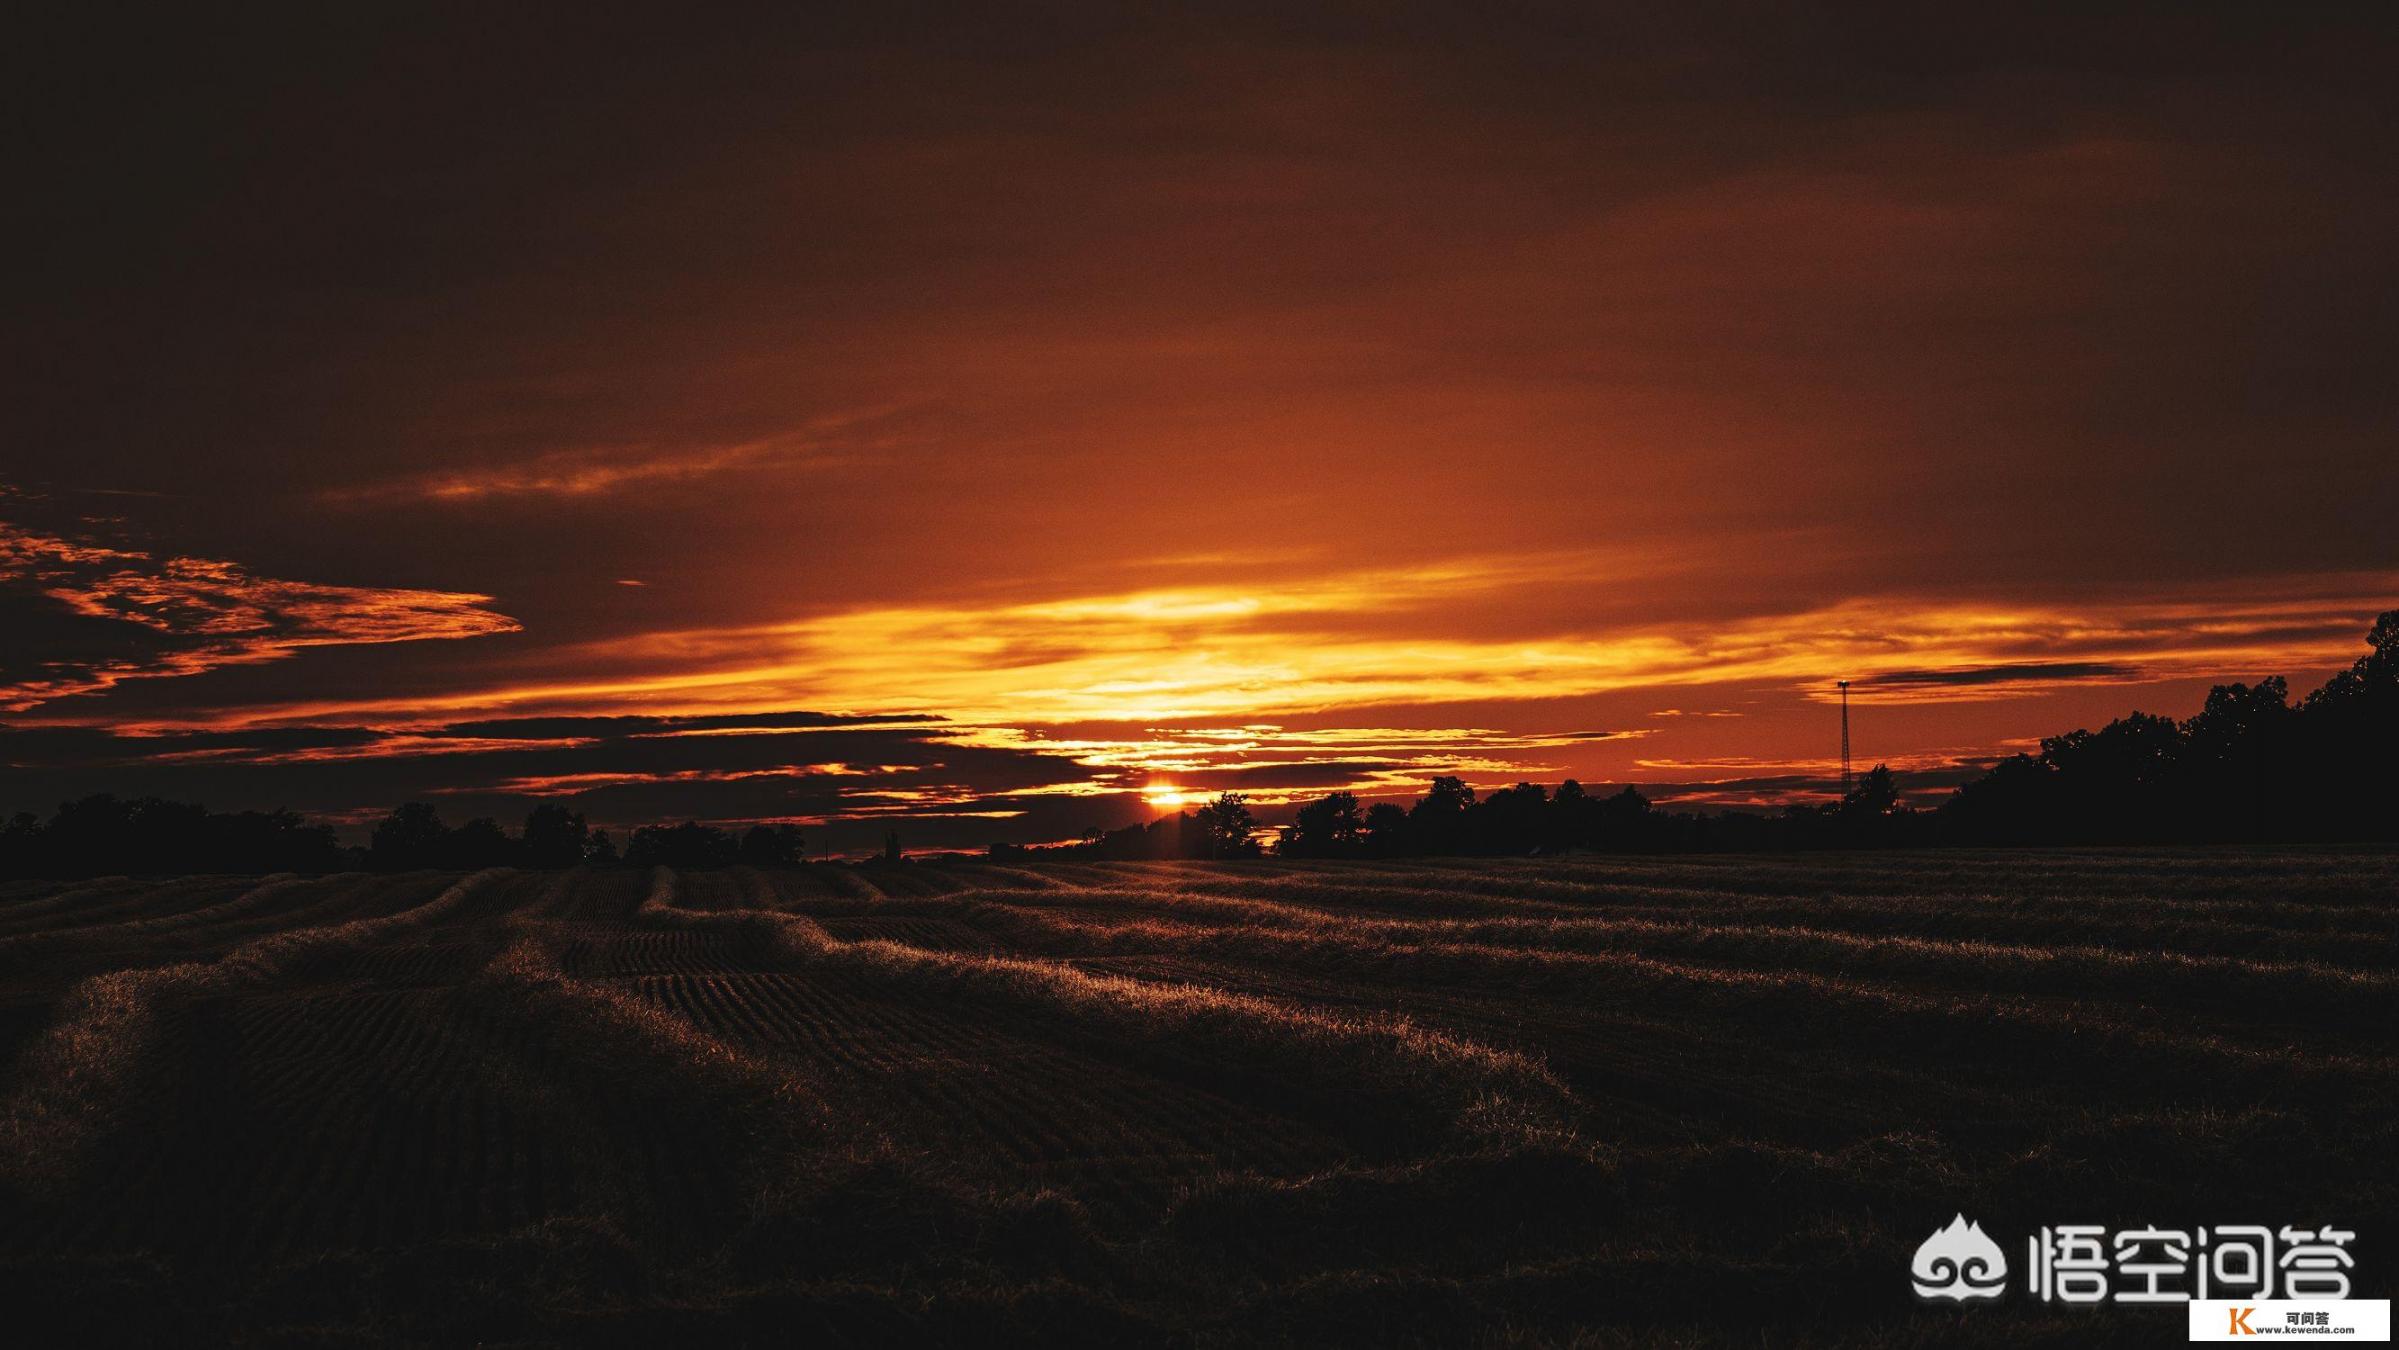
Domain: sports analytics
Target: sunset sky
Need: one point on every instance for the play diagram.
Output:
(1009, 424)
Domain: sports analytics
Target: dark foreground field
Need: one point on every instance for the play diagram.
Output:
(1623, 1100)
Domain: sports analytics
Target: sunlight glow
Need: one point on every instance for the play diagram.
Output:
(1366, 640)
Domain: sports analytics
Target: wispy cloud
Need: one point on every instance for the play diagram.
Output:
(202, 614)
(570, 473)
(1275, 765)
(590, 471)
(2033, 674)
(1390, 638)
(1404, 637)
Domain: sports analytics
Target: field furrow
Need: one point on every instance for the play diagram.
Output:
(1378, 1101)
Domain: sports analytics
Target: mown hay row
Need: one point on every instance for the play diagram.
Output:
(1463, 1091)
(2287, 991)
(1777, 1002)
(75, 1080)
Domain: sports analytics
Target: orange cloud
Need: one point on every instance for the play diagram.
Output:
(209, 614)
(394, 747)
(597, 470)
(1361, 640)
(1388, 637)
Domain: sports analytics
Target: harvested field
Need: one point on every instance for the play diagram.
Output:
(1638, 1100)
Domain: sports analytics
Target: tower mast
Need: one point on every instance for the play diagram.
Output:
(1844, 740)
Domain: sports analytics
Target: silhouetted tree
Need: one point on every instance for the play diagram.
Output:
(554, 837)
(409, 838)
(1437, 822)
(1225, 825)
(262, 841)
(599, 849)
(689, 845)
(140, 835)
(1521, 819)
(1621, 822)
(1875, 795)
(23, 850)
(2248, 765)
(2238, 743)
(478, 844)
(104, 834)
(2349, 743)
(772, 845)
(1328, 828)
(1568, 819)
(1388, 831)
(1511, 821)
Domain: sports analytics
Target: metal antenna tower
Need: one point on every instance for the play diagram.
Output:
(1844, 740)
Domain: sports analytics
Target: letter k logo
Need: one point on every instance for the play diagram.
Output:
(2240, 1321)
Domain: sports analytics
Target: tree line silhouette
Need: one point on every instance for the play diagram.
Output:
(1224, 828)
(103, 835)
(1450, 819)
(413, 836)
(2250, 767)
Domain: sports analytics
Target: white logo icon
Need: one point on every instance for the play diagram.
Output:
(1959, 1262)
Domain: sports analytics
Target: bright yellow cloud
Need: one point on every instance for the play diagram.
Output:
(1387, 638)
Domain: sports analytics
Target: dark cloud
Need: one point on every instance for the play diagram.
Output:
(1322, 774)
(620, 771)
(92, 615)
(2030, 672)
(850, 777)
(1920, 786)
(40, 746)
(553, 728)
